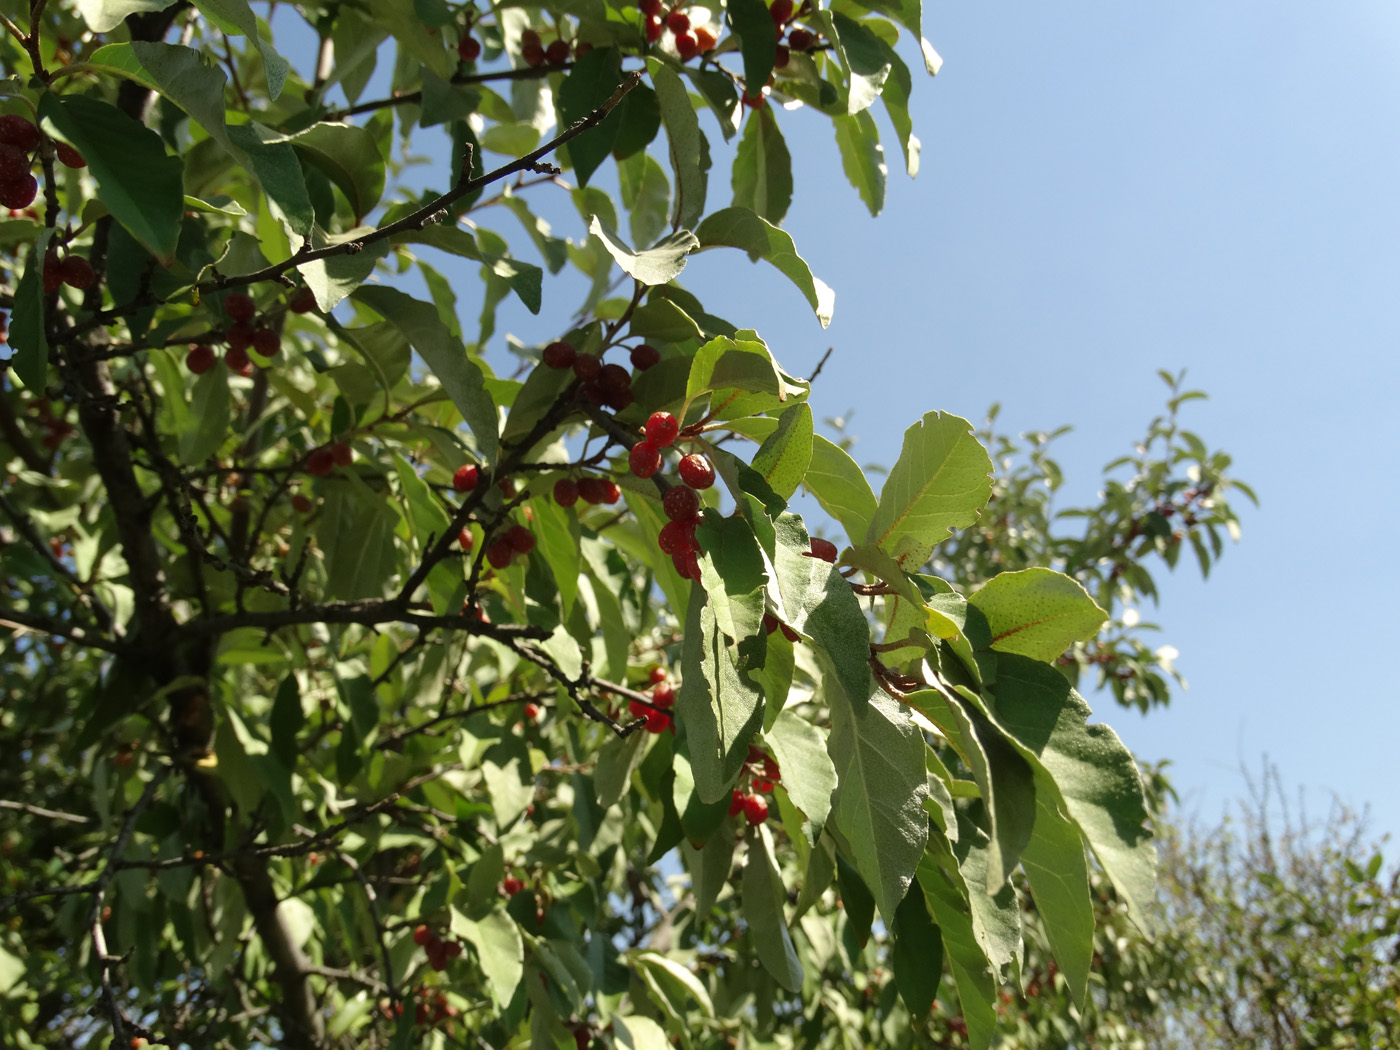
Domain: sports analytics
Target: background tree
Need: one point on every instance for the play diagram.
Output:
(364, 692)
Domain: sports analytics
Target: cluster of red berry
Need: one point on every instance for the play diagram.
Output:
(56, 429)
(602, 384)
(535, 53)
(516, 539)
(326, 458)
(663, 695)
(19, 139)
(439, 952)
(681, 501)
(597, 491)
(798, 39)
(690, 40)
(72, 270)
(762, 771)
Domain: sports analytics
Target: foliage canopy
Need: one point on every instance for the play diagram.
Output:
(342, 713)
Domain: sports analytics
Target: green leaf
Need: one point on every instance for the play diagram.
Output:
(349, 157)
(235, 16)
(762, 176)
(866, 57)
(498, 945)
(1058, 873)
(102, 16)
(742, 228)
(210, 413)
(947, 898)
(940, 481)
(356, 532)
(333, 278)
(862, 157)
(658, 265)
(809, 776)
(996, 915)
(286, 720)
(640, 1033)
(557, 533)
(510, 782)
(784, 456)
(723, 364)
(29, 342)
(591, 82)
(677, 983)
(416, 37)
(689, 154)
(460, 377)
(917, 956)
(764, 897)
(719, 706)
(11, 972)
(758, 38)
(1038, 612)
(732, 575)
(139, 183)
(426, 515)
(1094, 772)
(617, 760)
(879, 757)
(646, 194)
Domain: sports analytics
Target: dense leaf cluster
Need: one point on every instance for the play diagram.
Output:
(356, 695)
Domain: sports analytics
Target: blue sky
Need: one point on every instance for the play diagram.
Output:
(1108, 189)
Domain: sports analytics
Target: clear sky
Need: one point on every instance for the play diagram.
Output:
(1108, 189)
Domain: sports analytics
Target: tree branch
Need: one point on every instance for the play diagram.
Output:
(524, 73)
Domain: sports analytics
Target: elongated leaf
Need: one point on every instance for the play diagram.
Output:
(658, 265)
(862, 157)
(139, 182)
(866, 57)
(762, 177)
(947, 898)
(742, 228)
(785, 455)
(1094, 772)
(723, 364)
(758, 40)
(593, 79)
(640, 1033)
(1058, 873)
(210, 413)
(809, 776)
(1038, 612)
(940, 482)
(720, 707)
(680, 985)
(646, 194)
(879, 757)
(689, 154)
(764, 897)
(235, 16)
(349, 157)
(28, 348)
(918, 954)
(732, 575)
(996, 915)
(102, 16)
(500, 948)
(459, 375)
(356, 532)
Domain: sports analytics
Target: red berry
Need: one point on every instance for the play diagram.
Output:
(763, 787)
(582, 1039)
(651, 7)
(676, 537)
(236, 357)
(507, 488)
(453, 949)
(532, 712)
(200, 359)
(301, 504)
(422, 935)
(770, 769)
(697, 471)
(466, 540)
(239, 306)
(753, 101)
(19, 132)
(14, 162)
(644, 459)
(557, 53)
(529, 37)
(499, 554)
(781, 11)
(599, 490)
(824, 549)
(469, 49)
(614, 380)
(342, 453)
(512, 885)
(638, 709)
(663, 695)
(19, 193)
(421, 1015)
(678, 21)
(68, 156)
(755, 754)
(587, 366)
(566, 492)
(755, 809)
(581, 48)
(782, 57)
(658, 722)
(240, 335)
(687, 565)
(736, 803)
(657, 675)
(801, 39)
(654, 28)
(302, 301)
(321, 462)
(681, 503)
(53, 273)
(686, 46)
(267, 341)
(521, 540)
(466, 477)
(704, 39)
(532, 54)
(559, 355)
(661, 429)
(644, 356)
